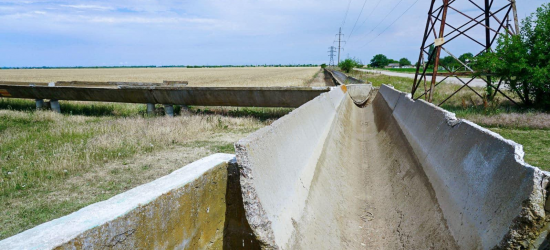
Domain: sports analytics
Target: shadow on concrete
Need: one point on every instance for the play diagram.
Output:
(237, 231)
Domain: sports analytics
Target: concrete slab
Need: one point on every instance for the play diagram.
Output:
(294, 141)
(292, 97)
(359, 93)
(185, 209)
(394, 174)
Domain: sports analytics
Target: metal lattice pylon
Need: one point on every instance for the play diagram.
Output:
(331, 52)
(451, 22)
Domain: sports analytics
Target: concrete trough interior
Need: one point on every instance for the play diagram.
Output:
(347, 170)
(392, 174)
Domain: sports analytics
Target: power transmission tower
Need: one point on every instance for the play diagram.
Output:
(478, 30)
(331, 51)
(340, 41)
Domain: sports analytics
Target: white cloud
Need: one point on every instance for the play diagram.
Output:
(148, 20)
(87, 7)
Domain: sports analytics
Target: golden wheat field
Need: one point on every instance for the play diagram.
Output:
(208, 77)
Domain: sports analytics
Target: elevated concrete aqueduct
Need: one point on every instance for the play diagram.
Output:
(350, 169)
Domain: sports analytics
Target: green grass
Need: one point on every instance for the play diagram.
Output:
(262, 114)
(46, 158)
(407, 70)
(536, 144)
(78, 108)
(214, 146)
(533, 134)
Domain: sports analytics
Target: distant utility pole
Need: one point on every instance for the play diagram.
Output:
(340, 41)
(331, 51)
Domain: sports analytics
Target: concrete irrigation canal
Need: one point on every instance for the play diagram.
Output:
(354, 168)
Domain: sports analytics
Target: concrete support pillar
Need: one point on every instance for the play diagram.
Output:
(55, 106)
(39, 104)
(150, 108)
(169, 110)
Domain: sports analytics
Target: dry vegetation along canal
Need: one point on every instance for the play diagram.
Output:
(53, 164)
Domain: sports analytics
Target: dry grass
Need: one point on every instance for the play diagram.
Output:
(52, 164)
(209, 77)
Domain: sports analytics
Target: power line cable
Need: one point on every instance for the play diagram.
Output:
(391, 11)
(390, 24)
(346, 16)
(360, 13)
(372, 11)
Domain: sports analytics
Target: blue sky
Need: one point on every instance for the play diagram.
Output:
(167, 32)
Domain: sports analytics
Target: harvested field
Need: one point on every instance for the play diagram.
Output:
(53, 164)
(206, 77)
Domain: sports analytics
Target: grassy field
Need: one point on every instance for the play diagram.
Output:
(208, 77)
(54, 164)
(530, 128)
(406, 70)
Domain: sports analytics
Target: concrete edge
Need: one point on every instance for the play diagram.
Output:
(531, 225)
(60, 231)
(360, 93)
(256, 214)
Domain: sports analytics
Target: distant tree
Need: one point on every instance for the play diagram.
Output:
(430, 52)
(466, 57)
(360, 63)
(404, 62)
(523, 61)
(449, 62)
(324, 65)
(379, 61)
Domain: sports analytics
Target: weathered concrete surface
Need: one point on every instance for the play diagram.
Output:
(488, 194)
(237, 233)
(295, 142)
(184, 210)
(395, 174)
(200, 96)
(342, 79)
(360, 93)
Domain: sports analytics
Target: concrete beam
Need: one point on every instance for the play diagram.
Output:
(189, 96)
(183, 210)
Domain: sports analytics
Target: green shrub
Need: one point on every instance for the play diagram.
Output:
(348, 64)
(523, 61)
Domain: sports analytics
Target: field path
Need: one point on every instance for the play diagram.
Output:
(321, 80)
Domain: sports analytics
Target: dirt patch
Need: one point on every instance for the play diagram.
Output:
(321, 79)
